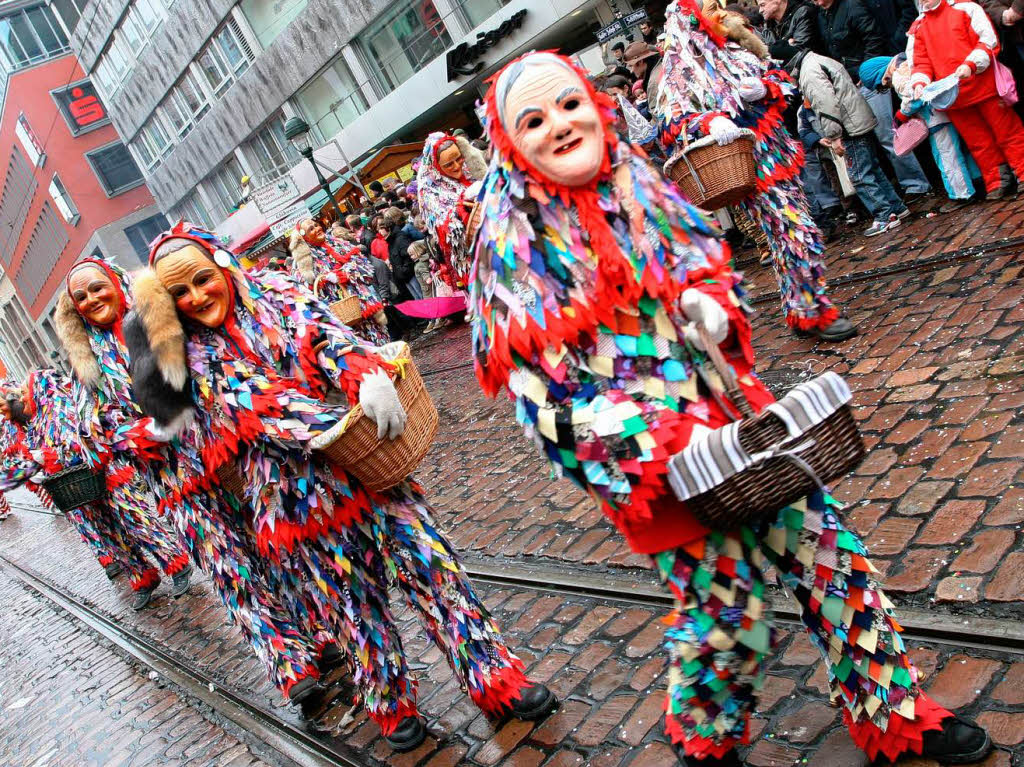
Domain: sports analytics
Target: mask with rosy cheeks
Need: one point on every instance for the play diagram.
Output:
(95, 296)
(450, 161)
(312, 232)
(198, 286)
(554, 123)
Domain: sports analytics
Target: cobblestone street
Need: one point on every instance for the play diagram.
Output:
(938, 377)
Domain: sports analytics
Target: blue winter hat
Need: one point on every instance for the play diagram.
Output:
(872, 70)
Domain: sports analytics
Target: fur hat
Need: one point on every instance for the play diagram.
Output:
(74, 338)
(156, 346)
(475, 162)
(302, 256)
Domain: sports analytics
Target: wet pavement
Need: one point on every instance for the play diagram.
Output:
(937, 374)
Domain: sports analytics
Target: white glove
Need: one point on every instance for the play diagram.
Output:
(723, 130)
(752, 89)
(38, 478)
(702, 309)
(379, 400)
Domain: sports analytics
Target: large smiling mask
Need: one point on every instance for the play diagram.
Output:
(550, 117)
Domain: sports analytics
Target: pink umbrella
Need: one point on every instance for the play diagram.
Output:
(434, 308)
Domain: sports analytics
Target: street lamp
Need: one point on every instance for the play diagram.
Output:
(296, 130)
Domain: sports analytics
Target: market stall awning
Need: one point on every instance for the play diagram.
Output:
(381, 163)
(245, 241)
(316, 201)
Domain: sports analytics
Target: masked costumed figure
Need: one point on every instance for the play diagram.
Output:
(269, 366)
(45, 416)
(712, 87)
(590, 270)
(338, 268)
(448, 167)
(89, 321)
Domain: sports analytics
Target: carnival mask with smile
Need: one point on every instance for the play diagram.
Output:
(198, 286)
(312, 232)
(95, 296)
(450, 161)
(553, 122)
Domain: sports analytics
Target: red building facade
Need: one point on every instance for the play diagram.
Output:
(69, 189)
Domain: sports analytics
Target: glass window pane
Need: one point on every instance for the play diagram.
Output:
(149, 14)
(404, 39)
(142, 152)
(229, 47)
(115, 168)
(212, 68)
(68, 11)
(47, 29)
(28, 40)
(130, 32)
(12, 48)
(269, 18)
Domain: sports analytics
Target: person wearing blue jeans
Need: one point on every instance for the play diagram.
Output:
(872, 186)
(908, 169)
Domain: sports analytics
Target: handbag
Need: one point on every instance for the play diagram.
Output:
(1006, 86)
(747, 471)
(906, 137)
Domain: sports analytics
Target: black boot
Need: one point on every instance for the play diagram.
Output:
(731, 759)
(180, 581)
(331, 658)
(112, 570)
(534, 702)
(143, 597)
(409, 734)
(838, 330)
(303, 689)
(958, 742)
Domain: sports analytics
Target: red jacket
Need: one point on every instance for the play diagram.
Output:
(951, 34)
(379, 248)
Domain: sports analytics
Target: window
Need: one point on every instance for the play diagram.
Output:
(62, 200)
(152, 143)
(225, 57)
(144, 232)
(269, 18)
(403, 40)
(186, 104)
(272, 150)
(227, 187)
(332, 100)
(193, 210)
(69, 11)
(115, 168)
(28, 140)
(31, 36)
(15, 200)
(130, 38)
(48, 240)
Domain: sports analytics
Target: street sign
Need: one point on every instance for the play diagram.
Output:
(289, 217)
(272, 199)
(634, 18)
(612, 30)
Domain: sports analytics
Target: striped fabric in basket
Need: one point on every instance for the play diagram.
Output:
(708, 461)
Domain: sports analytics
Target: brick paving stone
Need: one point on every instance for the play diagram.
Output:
(989, 479)
(892, 535)
(957, 589)
(1007, 585)
(1005, 729)
(951, 522)
(600, 722)
(1011, 688)
(961, 679)
(916, 570)
(768, 753)
(985, 552)
(1009, 510)
(807, 723)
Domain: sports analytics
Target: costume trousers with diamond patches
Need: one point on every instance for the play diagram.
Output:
(348, 572)
(796, 248)
(720, 638)
(86, 528)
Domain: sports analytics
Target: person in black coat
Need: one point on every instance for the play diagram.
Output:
(849, 34)
(790, 26)
(403, 268)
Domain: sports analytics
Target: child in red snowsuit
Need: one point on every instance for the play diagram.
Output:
(957, 38)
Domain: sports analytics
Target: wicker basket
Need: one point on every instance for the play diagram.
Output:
(76, 487)
(757, 494)
(348, 310)
(713, 176)
(380, 464)
(231, 479)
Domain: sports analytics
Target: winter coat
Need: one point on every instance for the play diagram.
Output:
(799, 23)
(382, 280)
(995, 8)
(849, 35)
(838, 107)
(402, 265)
(379, 248)
(947, 36)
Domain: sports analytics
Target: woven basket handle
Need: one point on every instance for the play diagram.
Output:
(316, 288)
(725, 371)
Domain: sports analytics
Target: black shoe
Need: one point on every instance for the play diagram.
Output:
(951, 205)
(180, 582)
(331, 658)
(839, 330)
(143, 597)
(910, 198)
(112, 570)
(534, 702)
(303, 689)
(958, 742)
(1005, 192)
(731, 759)
(409, 734)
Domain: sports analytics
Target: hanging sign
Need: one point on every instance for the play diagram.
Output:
(463, 59)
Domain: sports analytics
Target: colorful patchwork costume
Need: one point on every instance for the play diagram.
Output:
(701, 80)
(576, 303)
(107, 414)
(260, 384)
